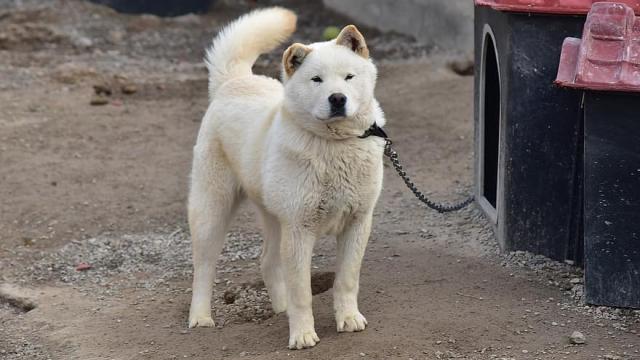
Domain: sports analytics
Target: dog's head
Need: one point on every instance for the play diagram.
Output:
(329, 86)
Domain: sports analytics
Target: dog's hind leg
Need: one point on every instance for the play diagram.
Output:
(212, 201)
(271, 262)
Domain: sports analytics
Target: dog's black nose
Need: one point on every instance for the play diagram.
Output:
(337, 100)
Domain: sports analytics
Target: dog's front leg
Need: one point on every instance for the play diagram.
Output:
(296, 250)
(351, 246)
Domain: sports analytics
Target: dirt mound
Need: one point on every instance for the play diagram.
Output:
(29, 37)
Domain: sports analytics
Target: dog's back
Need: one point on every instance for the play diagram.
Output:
(243, 104)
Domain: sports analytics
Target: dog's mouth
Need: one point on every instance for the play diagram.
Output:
(334, 116)
(341, 112)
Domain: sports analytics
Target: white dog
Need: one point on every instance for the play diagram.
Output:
(293, 149)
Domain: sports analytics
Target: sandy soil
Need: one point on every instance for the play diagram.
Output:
(106, 185)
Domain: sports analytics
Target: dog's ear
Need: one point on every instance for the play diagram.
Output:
(353, 39)
(293, 57)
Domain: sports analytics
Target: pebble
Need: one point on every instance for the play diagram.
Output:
(129, 89)
(82, 42)
(577, 338)
(99, 100)
(462, 67)
(102, 89)
(229, 297)
(83, 266)
(116, 36)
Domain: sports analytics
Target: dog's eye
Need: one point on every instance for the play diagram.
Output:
(349, 77)
(316, 79)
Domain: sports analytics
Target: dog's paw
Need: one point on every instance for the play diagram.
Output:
(303, 340)
(201, 321)
(350, 322)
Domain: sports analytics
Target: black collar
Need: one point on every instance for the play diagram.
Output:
(374, 130)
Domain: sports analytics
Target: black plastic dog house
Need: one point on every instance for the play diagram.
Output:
(526, 129)
(606, 65)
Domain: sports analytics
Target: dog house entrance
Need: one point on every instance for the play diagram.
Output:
(490, 124)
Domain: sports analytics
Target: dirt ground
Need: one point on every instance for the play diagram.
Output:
(106, 186)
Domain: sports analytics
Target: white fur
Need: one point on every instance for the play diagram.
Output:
(306, 174)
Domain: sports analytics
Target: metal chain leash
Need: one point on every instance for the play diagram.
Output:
(441, 208)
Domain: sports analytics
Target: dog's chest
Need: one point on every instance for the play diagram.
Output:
(344, 185)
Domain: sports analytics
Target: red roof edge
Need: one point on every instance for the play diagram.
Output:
(568, 61)
(608, 56)
(565, 7)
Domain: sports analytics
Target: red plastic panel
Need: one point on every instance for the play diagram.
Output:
(576, 7)
(608, 56)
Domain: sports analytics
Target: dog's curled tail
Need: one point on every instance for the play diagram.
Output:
(239, 44)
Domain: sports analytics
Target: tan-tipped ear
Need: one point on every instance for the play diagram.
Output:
(293, 57)
(353, 39)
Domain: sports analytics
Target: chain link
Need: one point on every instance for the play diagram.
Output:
(441, 208)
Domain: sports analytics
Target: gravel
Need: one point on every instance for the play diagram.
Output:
(568, 278)
(14, 345)
(55, 34)
(248, 302)
(129, 260)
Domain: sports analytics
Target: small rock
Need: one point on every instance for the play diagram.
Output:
(129, 89)
(121, 79)
(115, 36)
(83, 266)
(82, 42)
(363, 354)
(576, 281)
(229, 297)
(27, 241)
(102, 89)
(577, 338)
(462, 67)
(98, 100)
